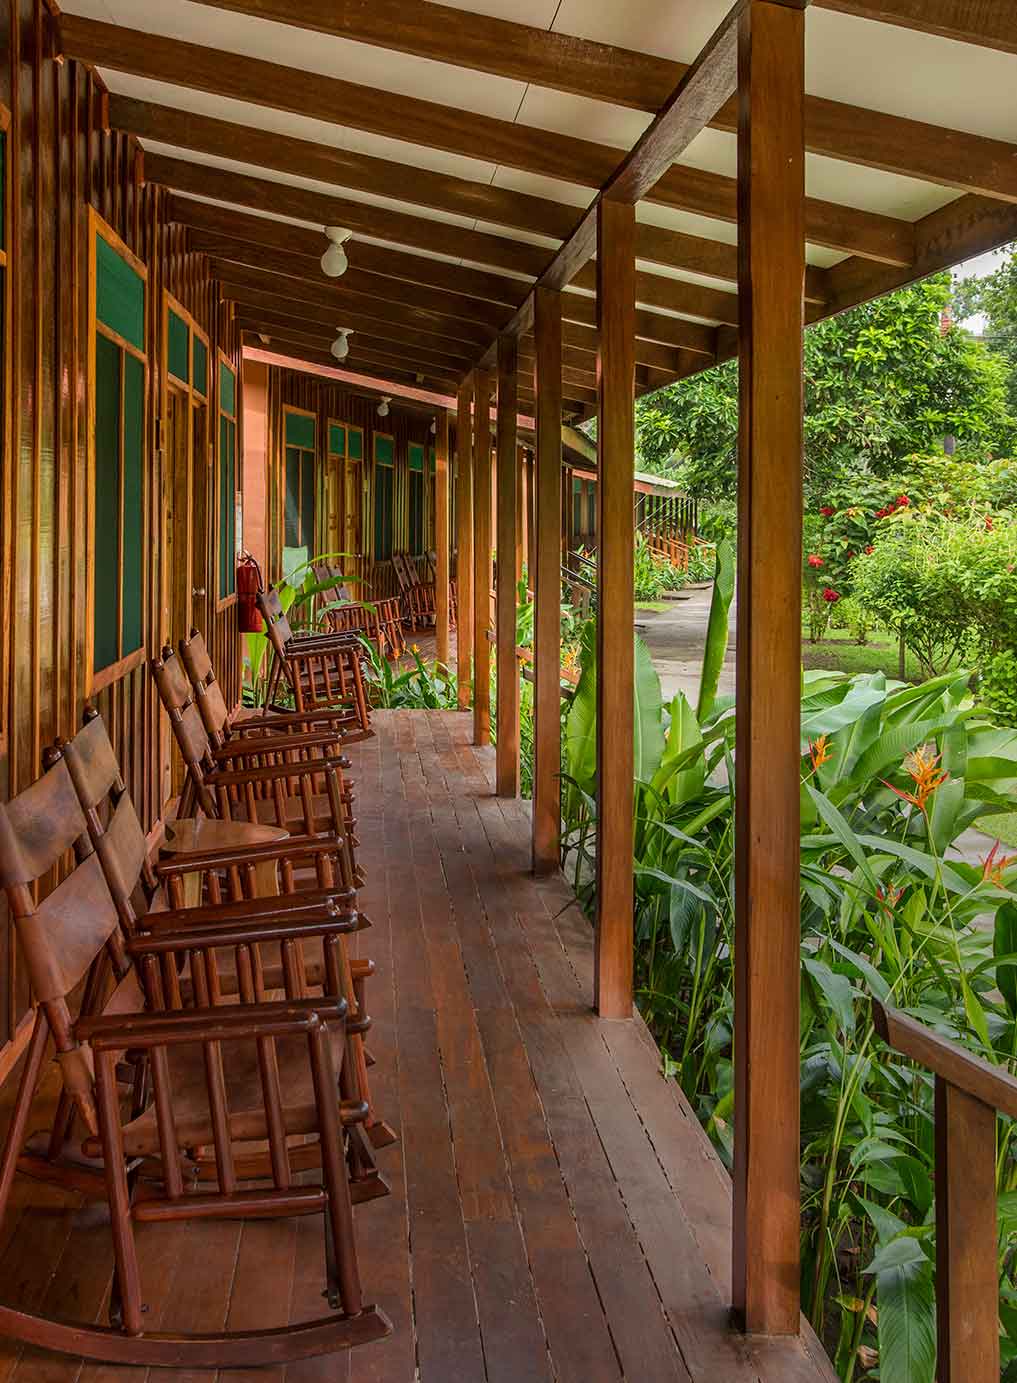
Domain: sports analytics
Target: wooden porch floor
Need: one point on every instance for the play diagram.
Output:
(556, 1212)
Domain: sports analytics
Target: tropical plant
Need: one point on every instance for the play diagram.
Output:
(424, 686)
(891, 776)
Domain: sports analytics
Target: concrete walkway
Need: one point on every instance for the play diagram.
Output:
(676, 636)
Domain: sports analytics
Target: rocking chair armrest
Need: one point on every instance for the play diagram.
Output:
(290, 720)
(325, 640)
(296, 847)
(173, 1027)
(267, 773)
(275, 744)
(309, 902)
(171, 940)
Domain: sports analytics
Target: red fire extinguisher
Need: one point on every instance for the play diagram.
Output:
(248, 586)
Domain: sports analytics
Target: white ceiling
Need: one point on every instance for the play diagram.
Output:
(864, 63)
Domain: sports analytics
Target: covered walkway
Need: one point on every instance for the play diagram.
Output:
(556, 1211)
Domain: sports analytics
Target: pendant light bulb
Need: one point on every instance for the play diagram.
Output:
(434, 427)
(334, 262)
(386, 399)
(341, 345)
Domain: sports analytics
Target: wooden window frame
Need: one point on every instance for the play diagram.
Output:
(289, 408)
(7, 480)
(95, 681)
(197, 399)
(223, 602)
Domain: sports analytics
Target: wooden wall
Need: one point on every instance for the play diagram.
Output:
(61, 162)
(326, 399)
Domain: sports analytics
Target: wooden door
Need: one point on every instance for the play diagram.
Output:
(352, 542)
(201, 520)
(178, 519)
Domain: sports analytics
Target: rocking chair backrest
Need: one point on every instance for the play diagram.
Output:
(62, 936)
(277, 626)
(208, 695)
(189, 731)
(114, 831)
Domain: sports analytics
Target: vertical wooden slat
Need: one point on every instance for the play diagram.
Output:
(546, 577)
(507, 760)
(441, 537)
(616, 367)
(967, 1285)
(771, 245)
(481, 556)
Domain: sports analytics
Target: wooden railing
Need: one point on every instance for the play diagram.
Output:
(969, 1091)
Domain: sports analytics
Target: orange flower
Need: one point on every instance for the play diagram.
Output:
(819, 751)
(994, 866)
(888, 898)
(922, 766)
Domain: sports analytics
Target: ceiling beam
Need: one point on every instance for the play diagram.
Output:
(358, 359)
(468, 133)
(298, 323)
(364, 218)
(641, 81)
(705, 85)
(988, 23)
(419, 186)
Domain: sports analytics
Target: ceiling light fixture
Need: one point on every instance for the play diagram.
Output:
(341, 345)
(434, 427)
(386, 399)
(334, 262)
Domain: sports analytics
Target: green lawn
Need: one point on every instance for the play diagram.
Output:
(1002, 828)
(839, 652)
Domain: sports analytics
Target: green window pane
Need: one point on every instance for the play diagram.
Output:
(292, 508)
(107, 499)
(415, 456)
(119, 295)
(178, 347)
(300, 431)
(416, 515)
(307, 499)
(355, 442)
(384, 450)
(200, 354)
(383, 476)
(133, 519)
(227, 507)
(336, 440)
(227, 389)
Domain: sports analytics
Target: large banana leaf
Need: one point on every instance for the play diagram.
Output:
(581, 725)
(716, 630)
(681, 785)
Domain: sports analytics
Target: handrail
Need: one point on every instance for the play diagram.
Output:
(969, 1091)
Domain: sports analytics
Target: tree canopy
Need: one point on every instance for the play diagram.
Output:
(995, 296)
(882, 382)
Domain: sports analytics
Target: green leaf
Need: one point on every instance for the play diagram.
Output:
(898, 1253)
(907, 1323)
(1004, 943)
(836, 990)
(715, 649)
(843, 832)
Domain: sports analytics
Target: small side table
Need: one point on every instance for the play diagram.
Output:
(189, 834)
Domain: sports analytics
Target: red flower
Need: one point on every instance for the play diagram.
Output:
(988, 522)
(902, 501)
(869, 549)
(827, 512)
(830, 596)
(850, 555)
(882, 513)
(815, 560)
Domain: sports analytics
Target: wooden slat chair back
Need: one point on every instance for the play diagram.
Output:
(320, 669)
(220, 975)
(257, 1071)
(380, 621)
(453, 589)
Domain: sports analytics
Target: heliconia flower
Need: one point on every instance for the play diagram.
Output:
(922, 766)
(831, 596)
(827, 512)
(888, 897)
(993, 866)
(820, 751)
(869, 549)
(815, 560)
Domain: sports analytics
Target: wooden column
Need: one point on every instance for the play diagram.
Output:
(441, 538)
(520, 511)
(545, 574)
(771, 276)
(530, 517)
(481, 557)
(464, 542)
(616, 365)
(507, 763)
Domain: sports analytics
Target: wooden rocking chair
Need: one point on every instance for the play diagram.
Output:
(379, 620)
(417, 596)
(142, 895)
(220, 1076)
(320, 669)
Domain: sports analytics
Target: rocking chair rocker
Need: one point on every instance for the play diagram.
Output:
(220, 1076)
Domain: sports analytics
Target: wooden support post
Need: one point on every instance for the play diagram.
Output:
(616, 371)
(464, 544)
(441, 538)
(967, 1286)
(546, 577)
(481, 557)
(520, 511)
(771, 246)
(530, 516)
(507, 762)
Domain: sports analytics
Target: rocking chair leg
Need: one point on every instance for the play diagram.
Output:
(339, 1210)
(22, 1108)
(127, 1287)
